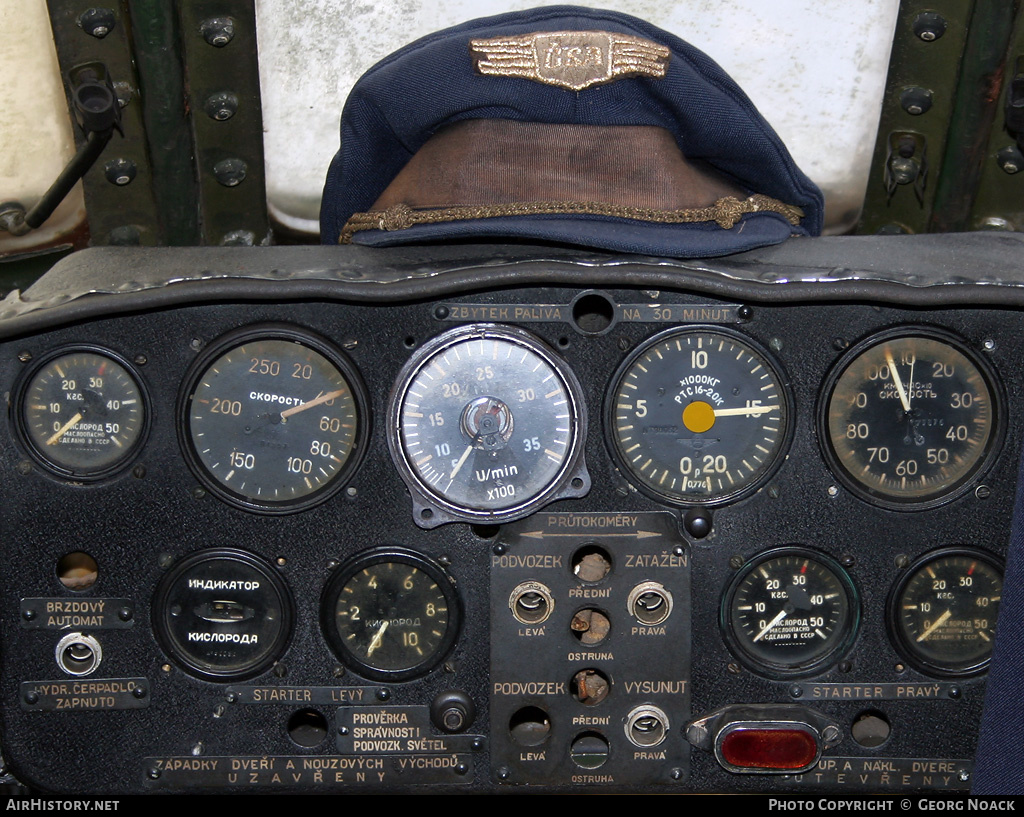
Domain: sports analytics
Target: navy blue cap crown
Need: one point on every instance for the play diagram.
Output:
(432, 84)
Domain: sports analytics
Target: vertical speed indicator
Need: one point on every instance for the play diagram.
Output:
(698, 416)
(486, 425)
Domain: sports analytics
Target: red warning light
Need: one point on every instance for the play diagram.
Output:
(768, 749)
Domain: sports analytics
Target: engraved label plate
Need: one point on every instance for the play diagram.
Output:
(84, 695)
(77, 614)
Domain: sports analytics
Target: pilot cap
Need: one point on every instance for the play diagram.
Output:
(561, 124)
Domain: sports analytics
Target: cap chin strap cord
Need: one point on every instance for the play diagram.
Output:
(724, 212)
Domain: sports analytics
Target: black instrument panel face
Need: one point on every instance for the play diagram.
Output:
(577, 550)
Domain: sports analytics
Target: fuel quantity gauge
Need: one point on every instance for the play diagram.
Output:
(698, 416)
(942, 613)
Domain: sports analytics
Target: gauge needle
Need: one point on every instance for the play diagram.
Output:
(377, 639)
(462, 460)
(60, 432)
(316, 401)
(896, 379)
(770, 624)
(745, 411)
(935, 625)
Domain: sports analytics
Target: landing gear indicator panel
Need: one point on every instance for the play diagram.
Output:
(590, 650)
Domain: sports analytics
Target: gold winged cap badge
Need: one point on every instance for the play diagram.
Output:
(570, 59)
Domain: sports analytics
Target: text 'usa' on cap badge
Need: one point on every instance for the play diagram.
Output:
(570, 59)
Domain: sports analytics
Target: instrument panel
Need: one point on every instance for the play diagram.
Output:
(526, 535)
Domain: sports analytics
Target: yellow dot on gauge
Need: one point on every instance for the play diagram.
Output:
(698, 417)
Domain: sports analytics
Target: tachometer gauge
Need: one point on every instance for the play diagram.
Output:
(910, 418)
(698, 416)
(81, 413)
(790, 611)
(391, 614)
(273, 419)
(942, 612)
(485, 425)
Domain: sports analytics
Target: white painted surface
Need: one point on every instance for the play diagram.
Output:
(816, 70)
(35, 134)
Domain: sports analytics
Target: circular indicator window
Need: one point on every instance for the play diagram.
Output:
(81, 413)
(486, 425)
(391, 614)
(223, 614)
(274, 419)
(942, 612)
(911, 418)
(790, 611)
(698, 416)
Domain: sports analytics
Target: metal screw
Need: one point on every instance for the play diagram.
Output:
(964, 776)
(120, 171)
(983, 492)
(230, 172)
(847, 560)
(829, 734)
(164, 561)
(218, 31)
(141, 360)
(1010, 159)
(97, 23)
(231, 697)
(988, 345)
(198, 492)
(929, 26)
(775, 344)
(24, 468)
(623, 344)
(833, 490)
(795, 691)
(351, 490)
(239, 238)
(736, 562)
(281, 561)
(916, 100)
(676, 774)
(139, 471)
(24, 357)
(342, 730)
(350, 344)
(902, 561)
(221, 106)
(733, 668)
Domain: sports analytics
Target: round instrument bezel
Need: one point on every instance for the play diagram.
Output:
(781, 449)
(304, 337)
(19, 422)
(896, 632)
(842, 642)
(341, 577)
(941, 496)
(431, 507)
